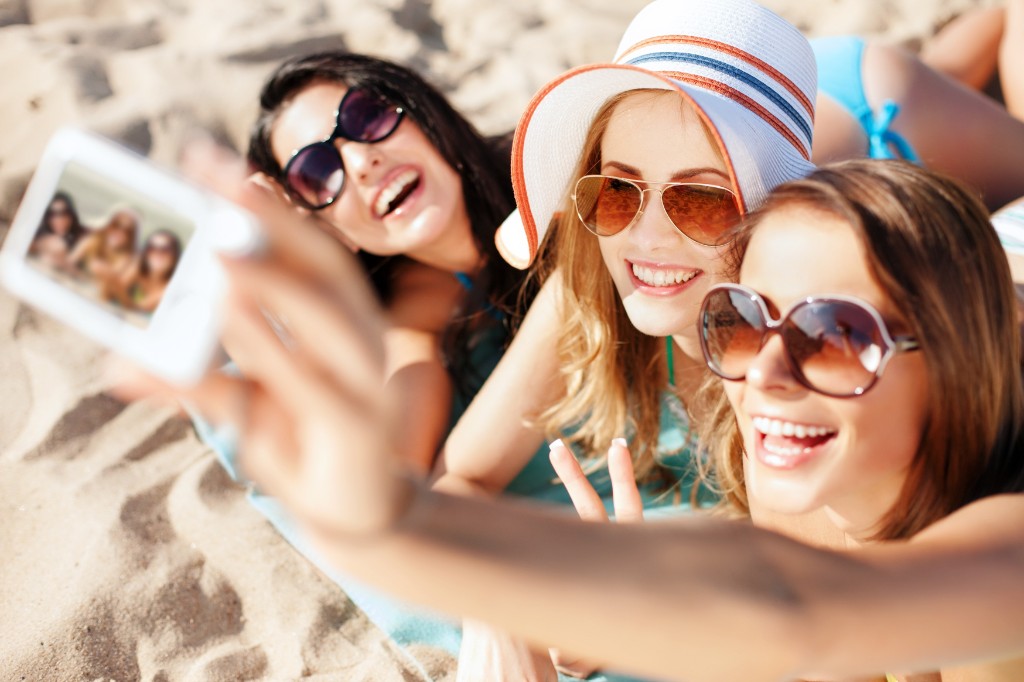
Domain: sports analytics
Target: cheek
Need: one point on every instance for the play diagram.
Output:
(891, 426)
(717, 266)
(346, 219)
(734, 393)
(607, 247)
(613, 263)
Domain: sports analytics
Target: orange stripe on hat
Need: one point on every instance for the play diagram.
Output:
(764, 66)
(736, 95)
(518, 144)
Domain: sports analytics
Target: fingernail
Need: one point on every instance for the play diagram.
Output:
(620, 441)
(557, 443)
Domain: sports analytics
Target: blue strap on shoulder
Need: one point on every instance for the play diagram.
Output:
(467, 283)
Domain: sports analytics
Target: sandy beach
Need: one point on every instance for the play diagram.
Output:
(127, 552)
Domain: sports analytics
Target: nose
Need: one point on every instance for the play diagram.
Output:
(769, 370)
(653, 228)
(362, 160)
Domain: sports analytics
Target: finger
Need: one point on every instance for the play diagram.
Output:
(267, 183)
(340, 343)
(220, 398)
(586, 500)
(239, 352)
(571, 666)
(286, 375)
(629, 506)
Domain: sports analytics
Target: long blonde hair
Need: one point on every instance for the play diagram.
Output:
(614, 375)
(931, 248)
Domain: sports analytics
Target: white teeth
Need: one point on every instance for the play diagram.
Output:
(393, 189)
(662, 278)
(777, 427)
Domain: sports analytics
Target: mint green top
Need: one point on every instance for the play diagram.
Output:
(676, 451)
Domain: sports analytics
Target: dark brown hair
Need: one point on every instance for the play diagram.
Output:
(483, 165)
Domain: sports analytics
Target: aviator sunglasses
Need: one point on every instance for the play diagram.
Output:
(315, 175)
(704, 213)
(834, 345)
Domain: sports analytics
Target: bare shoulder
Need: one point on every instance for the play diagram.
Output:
(424, 297)
(1011, 670)
(996, 521)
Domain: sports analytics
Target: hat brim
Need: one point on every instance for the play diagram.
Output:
(554, 127)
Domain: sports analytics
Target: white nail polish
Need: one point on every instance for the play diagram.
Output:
(620, 441)
(557, 443)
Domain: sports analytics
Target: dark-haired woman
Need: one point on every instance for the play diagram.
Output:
(385, 164)
(381, 158)
(59, 231)
(143, 286)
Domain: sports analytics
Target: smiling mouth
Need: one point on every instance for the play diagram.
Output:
(784, 439)
(396, 192)
(658, 277)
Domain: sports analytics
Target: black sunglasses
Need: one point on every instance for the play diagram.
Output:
(315, 175)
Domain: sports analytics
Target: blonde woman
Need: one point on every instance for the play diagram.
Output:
(106, 254)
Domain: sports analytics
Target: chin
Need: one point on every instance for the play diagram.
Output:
(781, 499)
(656, 325)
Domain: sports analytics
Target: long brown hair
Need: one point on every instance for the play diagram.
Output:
(932, 250)
(614, 375)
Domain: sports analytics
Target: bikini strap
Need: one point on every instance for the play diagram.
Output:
(467, 283)
(671, 362)
(881, 139)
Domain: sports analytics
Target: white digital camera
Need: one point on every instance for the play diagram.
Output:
(122, 250)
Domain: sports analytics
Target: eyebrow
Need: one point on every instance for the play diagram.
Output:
(678, 176)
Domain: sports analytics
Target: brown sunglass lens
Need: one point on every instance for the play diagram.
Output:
(837, 346)
(733, 330)
(705, 213)
(607, 205)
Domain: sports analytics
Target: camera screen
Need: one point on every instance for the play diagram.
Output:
(113, 246)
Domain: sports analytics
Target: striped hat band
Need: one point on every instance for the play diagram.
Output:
(734, 74)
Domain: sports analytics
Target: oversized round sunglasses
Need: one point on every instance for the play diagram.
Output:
(835, 345)
(315, 175)
(704, 213)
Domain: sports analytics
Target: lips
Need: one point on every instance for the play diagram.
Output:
(784, 444)
(661, 280)
(662, 277)
(393, 194)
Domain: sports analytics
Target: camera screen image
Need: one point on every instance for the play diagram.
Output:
(112, 246)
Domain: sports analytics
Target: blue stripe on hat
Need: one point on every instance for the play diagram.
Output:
(739, 74)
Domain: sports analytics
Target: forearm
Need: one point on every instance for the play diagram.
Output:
(697, 589)
(908, 610)
(422, 395)
(676, 600)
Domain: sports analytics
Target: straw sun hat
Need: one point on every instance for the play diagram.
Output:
(749, 73)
